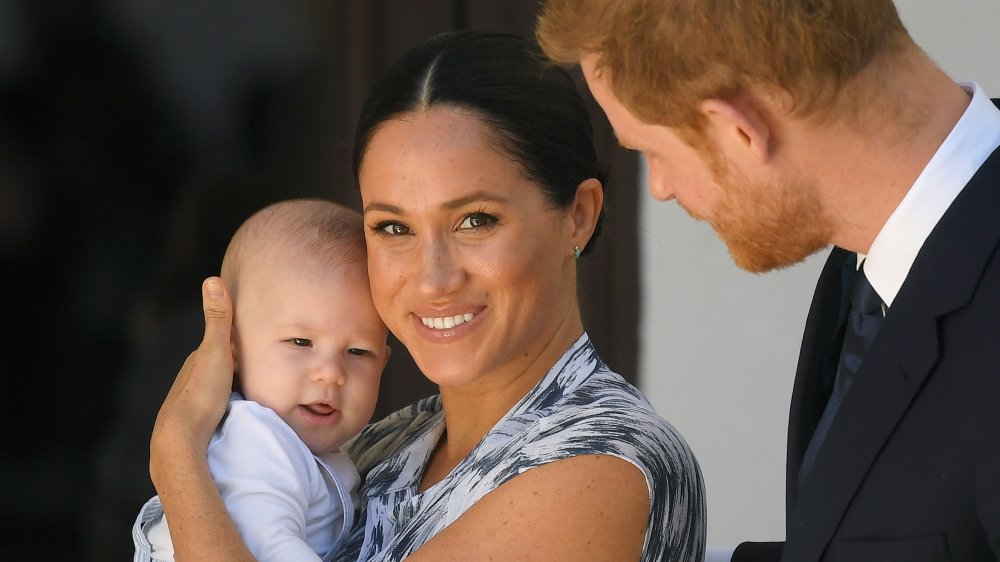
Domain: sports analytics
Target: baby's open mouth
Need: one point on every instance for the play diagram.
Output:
(319, 409)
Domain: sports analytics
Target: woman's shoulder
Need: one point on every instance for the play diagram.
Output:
(608, 415)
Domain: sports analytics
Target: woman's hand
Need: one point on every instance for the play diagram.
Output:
(198, 398)
(200, 526)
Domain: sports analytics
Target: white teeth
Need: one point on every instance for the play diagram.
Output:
(447, 322)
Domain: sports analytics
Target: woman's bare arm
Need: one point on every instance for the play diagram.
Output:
(200, 526)
(586, 508)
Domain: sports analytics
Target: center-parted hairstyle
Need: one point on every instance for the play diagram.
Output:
(533, 108)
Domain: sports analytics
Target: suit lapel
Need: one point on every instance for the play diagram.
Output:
(879, 397)
(943, 278)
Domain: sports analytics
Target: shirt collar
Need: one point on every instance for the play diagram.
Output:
(975, 136)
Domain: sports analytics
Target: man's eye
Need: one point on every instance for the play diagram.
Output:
(478, 220)
(357, 351)
(301, 342)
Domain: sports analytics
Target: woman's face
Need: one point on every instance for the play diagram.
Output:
(471, 268)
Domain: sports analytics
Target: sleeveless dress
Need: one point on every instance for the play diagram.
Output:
(579, 408)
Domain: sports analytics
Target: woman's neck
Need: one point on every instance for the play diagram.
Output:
(471, 410)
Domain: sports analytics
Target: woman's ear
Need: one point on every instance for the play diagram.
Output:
(738, 126)
(585, 211)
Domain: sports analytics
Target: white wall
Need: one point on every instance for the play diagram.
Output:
(719, 346)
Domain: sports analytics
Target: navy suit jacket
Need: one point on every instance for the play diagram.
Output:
(910, 470)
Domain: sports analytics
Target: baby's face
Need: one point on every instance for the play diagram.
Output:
(312, 348)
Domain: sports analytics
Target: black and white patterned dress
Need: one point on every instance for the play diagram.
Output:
(579, 408)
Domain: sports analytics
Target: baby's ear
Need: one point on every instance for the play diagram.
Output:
(388, 352)
(233, 337)
(236, 362)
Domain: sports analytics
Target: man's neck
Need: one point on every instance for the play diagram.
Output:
(865, 170)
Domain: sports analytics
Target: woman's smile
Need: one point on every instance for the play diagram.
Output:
(441, 328)
(446, 322)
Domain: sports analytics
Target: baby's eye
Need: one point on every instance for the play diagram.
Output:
(300, 342)
(477, 220)
(357, 351)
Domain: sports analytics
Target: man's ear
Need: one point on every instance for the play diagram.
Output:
(736, 125)
(585, 210)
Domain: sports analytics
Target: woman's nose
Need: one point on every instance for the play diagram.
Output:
(440, 271)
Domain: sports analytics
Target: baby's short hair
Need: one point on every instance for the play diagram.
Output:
(302, 232)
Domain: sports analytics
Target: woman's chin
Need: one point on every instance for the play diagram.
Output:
(446, 373)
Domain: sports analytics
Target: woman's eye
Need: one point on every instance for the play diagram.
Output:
(391, 228)
(357, 351)
(301, 342)
(477, 220)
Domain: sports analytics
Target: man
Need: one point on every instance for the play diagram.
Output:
(793, 125)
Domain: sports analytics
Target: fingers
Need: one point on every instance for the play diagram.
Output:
(211, 371)
(197, 400)
(218, 315)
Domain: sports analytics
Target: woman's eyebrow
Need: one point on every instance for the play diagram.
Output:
(376, 206)
(449, 205)
(472, 198)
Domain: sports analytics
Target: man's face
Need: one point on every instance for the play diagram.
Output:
(765, 224)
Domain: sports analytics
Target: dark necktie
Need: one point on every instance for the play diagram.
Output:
(863, 321)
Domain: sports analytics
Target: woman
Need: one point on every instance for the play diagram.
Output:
(480, 190)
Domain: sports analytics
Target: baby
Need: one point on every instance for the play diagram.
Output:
(309, 351)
